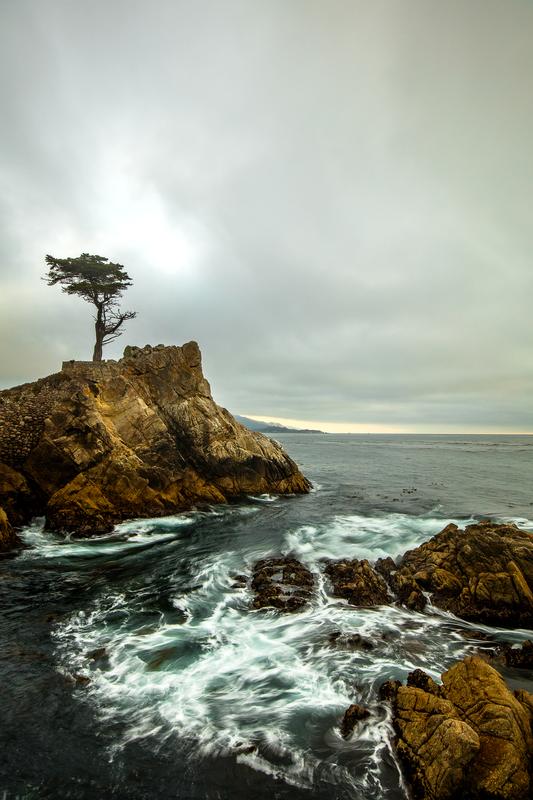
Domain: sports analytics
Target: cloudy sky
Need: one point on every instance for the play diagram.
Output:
(333, 198)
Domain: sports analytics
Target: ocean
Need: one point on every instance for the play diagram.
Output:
(132, 666)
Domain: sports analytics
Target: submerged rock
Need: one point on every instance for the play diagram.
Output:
(283, 583)
(353, 714)
(519, 657)
(357, 582)
(470, 737)
(101, 442)
(350, 641)
(483, 574)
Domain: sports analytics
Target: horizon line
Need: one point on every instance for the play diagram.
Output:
(373, 428)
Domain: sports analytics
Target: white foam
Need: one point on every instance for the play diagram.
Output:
(358, 536)
(232, 679)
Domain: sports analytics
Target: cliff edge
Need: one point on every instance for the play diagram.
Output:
(100, 442)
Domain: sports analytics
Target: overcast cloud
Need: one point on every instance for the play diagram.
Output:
(334, 199)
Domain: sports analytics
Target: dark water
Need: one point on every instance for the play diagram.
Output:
(130, 667)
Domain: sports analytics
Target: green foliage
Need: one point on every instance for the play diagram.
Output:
(94, 278)
(98, 281)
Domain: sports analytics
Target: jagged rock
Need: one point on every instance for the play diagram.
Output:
(502, 724)
(408, 592)
(101, 442)
(357, 582)
(283, 583)
(239, 581)
(435, 747)
(385, 567)
(526, 699)
(470, 737)
(389, 690)
(8, 537)
(421, 680)
(352, 716)
(17, 499)
(519, 657)
(483, 574)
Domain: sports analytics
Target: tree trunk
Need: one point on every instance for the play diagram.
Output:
(99, 329)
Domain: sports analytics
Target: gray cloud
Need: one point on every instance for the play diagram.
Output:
(333, 198)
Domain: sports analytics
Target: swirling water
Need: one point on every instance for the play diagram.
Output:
(133, 667)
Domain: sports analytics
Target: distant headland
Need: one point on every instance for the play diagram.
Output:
(271, 427)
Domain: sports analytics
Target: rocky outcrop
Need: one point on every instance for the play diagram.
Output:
(352, 716)
(520, 657)
(283, 583)
(357, 582)
(470, 737)
(8, 537)
(19, 500)
(483, 574)
(101, 442)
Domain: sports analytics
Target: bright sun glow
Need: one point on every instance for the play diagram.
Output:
(142, 222)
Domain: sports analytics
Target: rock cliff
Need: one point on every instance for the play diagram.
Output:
(100, 442)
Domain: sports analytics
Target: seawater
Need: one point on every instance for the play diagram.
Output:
(132, 667)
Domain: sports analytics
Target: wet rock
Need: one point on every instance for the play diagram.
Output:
(502, 723)
(99, 657)
(354, 714)
(244, 749)
(483, 574)
(408, 592)
(526, 699)
(421, 680)
(8, 537)
(389, 690)
(519, 657)
(239, 581)
(357, 582)
(283, 583)
(470, 737)
(19, 501)
(162, 657)
(350, 641)
(101, 442)
(80, 680)
(385, 567)
(435, 747)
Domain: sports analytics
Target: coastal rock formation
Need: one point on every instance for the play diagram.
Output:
(470, 737)
(357, 582)
(101, 442)
(404, 587)
(518, 657)
(353, 714)
(8, 537)
(19, 501)
(483, 574)
(283, 583)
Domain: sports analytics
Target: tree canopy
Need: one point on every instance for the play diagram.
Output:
(100, 282)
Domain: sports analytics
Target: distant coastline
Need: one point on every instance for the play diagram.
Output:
(271, 427)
